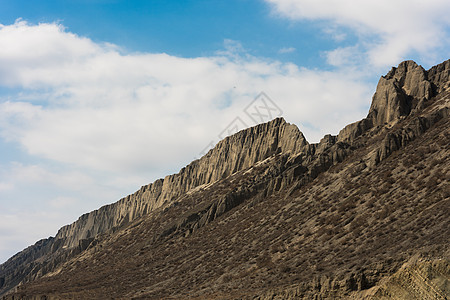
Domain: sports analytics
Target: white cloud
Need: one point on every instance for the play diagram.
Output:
(38, 174)
(286, 50)
(5, 186)
(388, 31)
(335, 32)
(121, 112)
(344, 56)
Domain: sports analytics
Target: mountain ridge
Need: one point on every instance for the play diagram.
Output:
(216, 164)
(288, 161)
(76, 237)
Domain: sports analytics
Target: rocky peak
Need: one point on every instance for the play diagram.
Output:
(234, 153)
(403, 90)
(399, 92)
(439, 76)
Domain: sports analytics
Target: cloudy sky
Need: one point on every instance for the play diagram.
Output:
(99, 97)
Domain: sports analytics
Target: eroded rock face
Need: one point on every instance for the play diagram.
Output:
(420, 280)
(440, 76)
(234, 153)
(402, 92)
(399, 92)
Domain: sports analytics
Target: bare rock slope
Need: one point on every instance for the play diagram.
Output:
(266, 215)
(230, 155)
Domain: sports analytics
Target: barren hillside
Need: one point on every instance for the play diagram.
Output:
(266, 215)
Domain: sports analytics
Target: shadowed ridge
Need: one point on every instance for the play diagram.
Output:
(234, 153)
(399, 92)
(439, 76)
(404, 90)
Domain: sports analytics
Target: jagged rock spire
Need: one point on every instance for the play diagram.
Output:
(399, 92)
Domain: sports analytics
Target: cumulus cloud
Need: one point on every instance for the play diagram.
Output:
(120, 112)
(388, 31)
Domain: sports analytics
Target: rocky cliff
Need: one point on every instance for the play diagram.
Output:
(229, 156)
(401, 91)
(298, 204)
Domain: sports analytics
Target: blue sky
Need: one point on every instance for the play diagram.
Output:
(182, 28)
(100, 97)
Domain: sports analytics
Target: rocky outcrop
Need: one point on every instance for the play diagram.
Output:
(400, 92)
(439, 76)
(234, 153)
(304, 166)
(402, 136)
(425, 279)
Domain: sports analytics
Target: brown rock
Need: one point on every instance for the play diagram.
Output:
(439, 76)
(399, 92)
(265, 192)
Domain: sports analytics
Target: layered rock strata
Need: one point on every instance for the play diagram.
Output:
(404, 91)
(234, 153)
